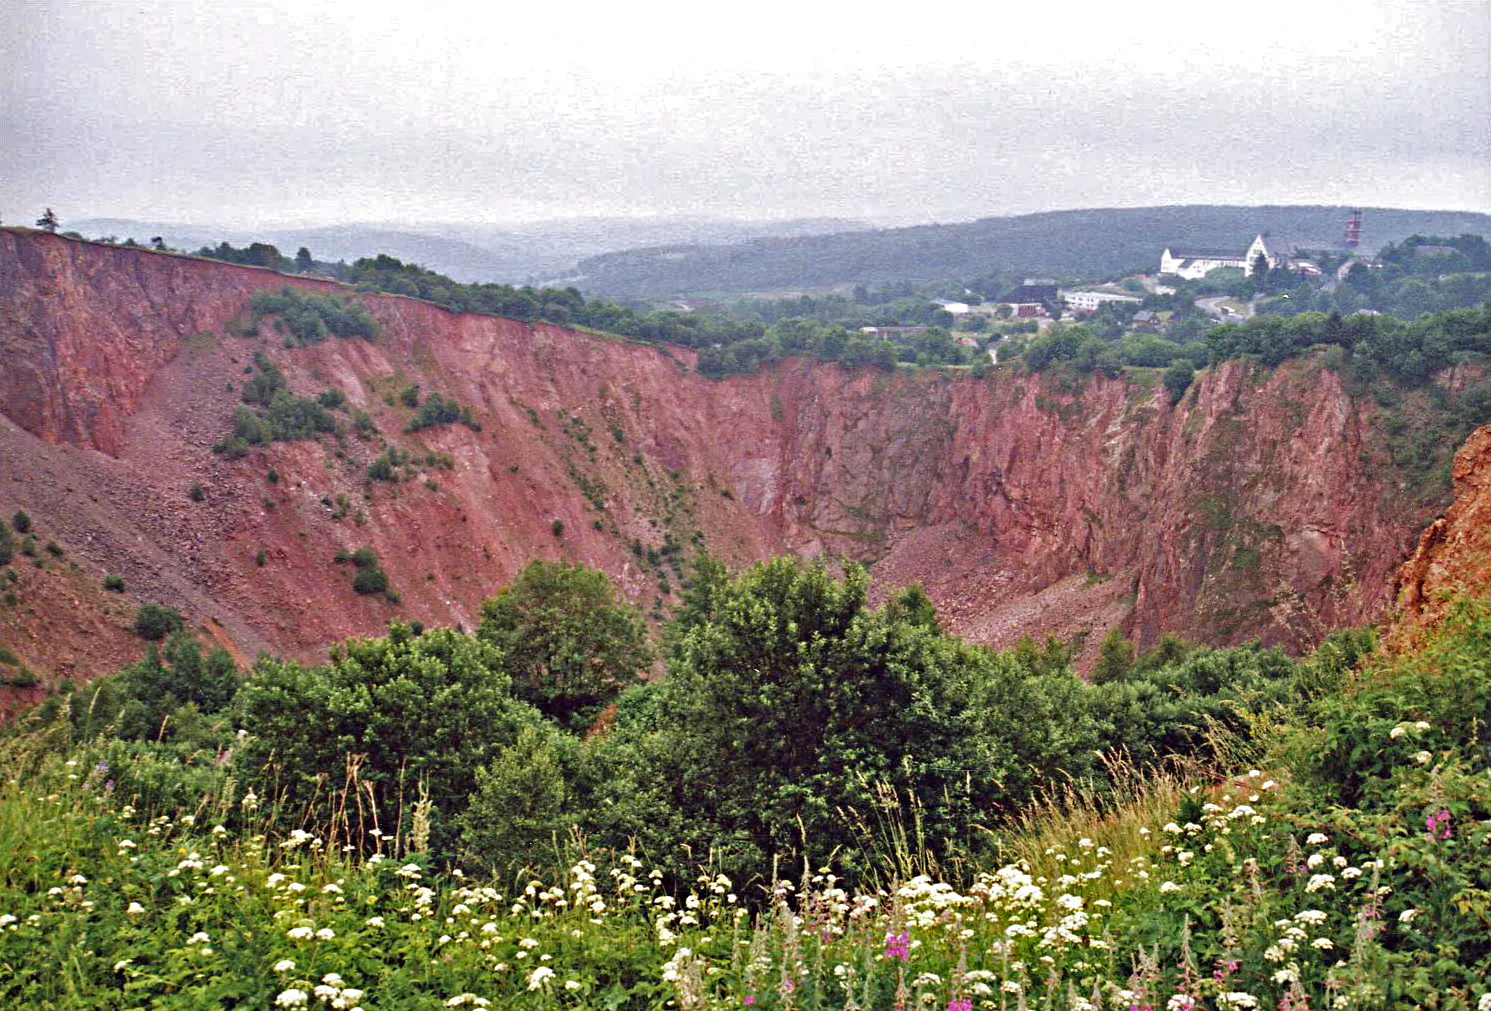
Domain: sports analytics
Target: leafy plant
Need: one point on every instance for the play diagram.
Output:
(569, 643)
(154, 621)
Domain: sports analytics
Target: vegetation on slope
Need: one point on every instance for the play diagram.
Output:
(851, 329)
(274, 414)
(307, 318)
(819, 805)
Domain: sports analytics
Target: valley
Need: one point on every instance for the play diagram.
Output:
(1263, 504)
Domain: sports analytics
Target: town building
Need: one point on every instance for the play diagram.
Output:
(1091, 301)
(893, 331)
(1195, 264)
(1030, 300)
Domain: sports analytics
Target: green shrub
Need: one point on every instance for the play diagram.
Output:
(362, 423)
(368, 577)
(519, 803)
(1178, 378)
(440, 410)
(154, 622)
(382, 467)
(792, 715)
(196, 494)
(309, 317)
(421, 711)
(274, 414)
(114, 584)
(21, 521)
(370, 580)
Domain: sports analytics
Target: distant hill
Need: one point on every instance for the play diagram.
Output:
(1086, 243)
(519, 253)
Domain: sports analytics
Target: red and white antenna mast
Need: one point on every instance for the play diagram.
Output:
(1353, 234)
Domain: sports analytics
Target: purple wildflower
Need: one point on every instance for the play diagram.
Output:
(1438, 825)
(898, 946)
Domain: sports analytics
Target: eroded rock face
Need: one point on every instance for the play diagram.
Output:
(1454, 552)
(1257, 507)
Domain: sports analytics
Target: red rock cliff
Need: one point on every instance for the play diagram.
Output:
(1454, 552)
(1257, 507)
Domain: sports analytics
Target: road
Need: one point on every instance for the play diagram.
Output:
(1212, 306)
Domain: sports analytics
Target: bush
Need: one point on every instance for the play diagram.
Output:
(570, 644)
(196, 494)
(21, 521)
(1178, 378)
(794, 720)
(368, 578)
(114, 584)
(383, 466)
(519, 807)
(275, 414)
(310, 317)
(439, 410)
(420, 712)
(154, 622)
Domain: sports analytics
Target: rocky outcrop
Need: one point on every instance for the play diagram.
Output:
(1454, 552)
(1258, 506)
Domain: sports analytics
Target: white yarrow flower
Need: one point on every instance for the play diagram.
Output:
(1319, 881)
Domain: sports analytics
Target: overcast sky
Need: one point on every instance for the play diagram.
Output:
(298, 113)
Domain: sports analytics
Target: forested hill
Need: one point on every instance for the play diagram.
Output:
(1086, 243)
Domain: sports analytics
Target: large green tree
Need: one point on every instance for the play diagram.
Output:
(568, 641)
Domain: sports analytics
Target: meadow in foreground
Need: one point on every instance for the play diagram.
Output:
(1351, 869)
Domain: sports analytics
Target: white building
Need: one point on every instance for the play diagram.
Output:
(1194, 264)
(1090, 301)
